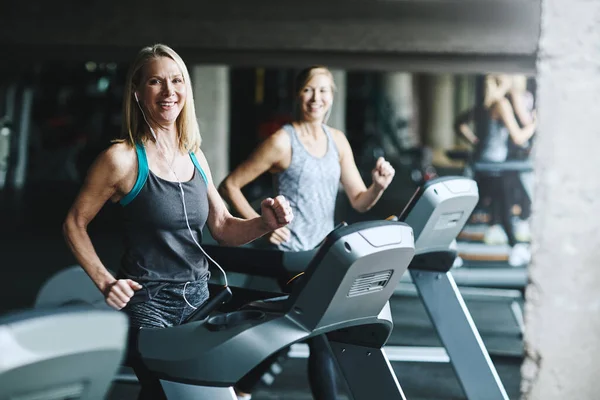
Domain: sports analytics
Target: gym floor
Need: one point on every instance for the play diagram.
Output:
(419, 381)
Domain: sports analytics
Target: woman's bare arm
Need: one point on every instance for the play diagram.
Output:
(273, 155)
(361, 198)
(461, 126)
(524, 116)
(111, 176)
(518, 135)
(231, 231)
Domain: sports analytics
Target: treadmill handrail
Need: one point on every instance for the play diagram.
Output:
(260, 262)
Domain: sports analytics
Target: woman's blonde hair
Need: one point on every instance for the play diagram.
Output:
(302, 80)
(519, 83)
(494, 90)
(133, 130)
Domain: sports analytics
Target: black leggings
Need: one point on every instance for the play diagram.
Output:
(321, 371)
(150, 387)
(502, 191)
(166, 305)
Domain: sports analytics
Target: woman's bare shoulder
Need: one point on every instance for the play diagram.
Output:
(119, 158)
(278, 141)
(340, 139)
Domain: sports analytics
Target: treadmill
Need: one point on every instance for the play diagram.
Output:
(437, 212)
(343, 293)
(60, 353)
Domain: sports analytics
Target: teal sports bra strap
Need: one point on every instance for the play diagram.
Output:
(198, 167)
(141, 177)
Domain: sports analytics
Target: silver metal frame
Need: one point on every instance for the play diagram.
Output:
(437, 217)
(459, 335)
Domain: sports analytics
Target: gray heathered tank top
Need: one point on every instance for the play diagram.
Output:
(311, 185)
(158, 244)
(495, 144)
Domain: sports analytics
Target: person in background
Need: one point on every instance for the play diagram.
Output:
(510, 123)
(308, 160)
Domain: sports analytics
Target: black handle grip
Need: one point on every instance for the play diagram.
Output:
(201, 313)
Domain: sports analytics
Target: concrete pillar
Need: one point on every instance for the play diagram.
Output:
(337, 119)
(438, 116)
(562, 337)
(439, 109)
(464, 97)
(211, 98)
(398, 93)
(417, 104)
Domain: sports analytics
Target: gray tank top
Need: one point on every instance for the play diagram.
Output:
(158, 245)
(495, 145)
(311, 185)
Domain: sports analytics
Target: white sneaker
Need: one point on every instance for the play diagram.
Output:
(458, 262)
(495, 235)
(242, 396)
(522, 232)
(519, 255)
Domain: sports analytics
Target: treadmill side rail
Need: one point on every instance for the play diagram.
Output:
(458, 333)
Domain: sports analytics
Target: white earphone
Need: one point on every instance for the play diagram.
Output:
(182, 200)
